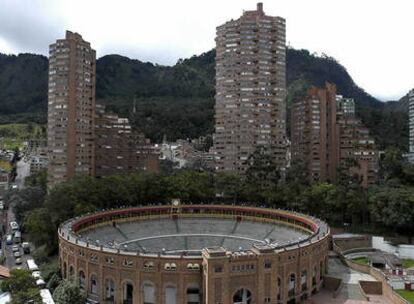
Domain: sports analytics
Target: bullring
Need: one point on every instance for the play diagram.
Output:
(195, 254)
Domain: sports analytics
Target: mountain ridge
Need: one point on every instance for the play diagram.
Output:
(178, 101)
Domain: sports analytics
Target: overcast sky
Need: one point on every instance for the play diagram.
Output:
(371, 38)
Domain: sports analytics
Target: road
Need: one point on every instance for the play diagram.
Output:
(23, 170)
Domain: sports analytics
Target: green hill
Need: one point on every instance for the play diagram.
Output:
(178, 101)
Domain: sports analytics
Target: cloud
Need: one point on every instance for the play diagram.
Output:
(28, 25)
(369, 40)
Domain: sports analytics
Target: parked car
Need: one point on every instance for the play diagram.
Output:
(9, 239)
(36, 274)
(18, 261)
(17, 237)
(31, 265)
(26, 247)
(15, 248)
(40, 283)
(17, 254)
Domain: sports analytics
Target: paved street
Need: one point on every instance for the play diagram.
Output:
(23, 170)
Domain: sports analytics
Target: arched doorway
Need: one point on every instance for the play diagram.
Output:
(64, 270)
(170, 295)
(303, 280)
(109, 291)
(291, 285)
(242, 296)
(128, 293)
(71, 273)
(82, 279)
(94, 285)
(149, 293)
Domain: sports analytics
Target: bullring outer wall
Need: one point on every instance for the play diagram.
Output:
(111, 275)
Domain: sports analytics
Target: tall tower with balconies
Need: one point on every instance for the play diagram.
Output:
(250, 105)
(71, 108)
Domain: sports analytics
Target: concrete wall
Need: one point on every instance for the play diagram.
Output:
(387, 290)
(361, 241)
(370, 287)
(331, 284)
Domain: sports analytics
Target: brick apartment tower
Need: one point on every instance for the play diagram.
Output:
(71, 108)
(250, 106)
(314, 133)
(411, 125)
(326, 134)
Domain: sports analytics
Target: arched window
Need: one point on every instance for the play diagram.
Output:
(149, 293)
(128, 293)
(303, 280)
(81, 279)
(242, 296)
(94, 285)
(279, 289)
(64, 270)
(109, 290)
(321, 270)
(71, 272)
(291, 285)
(170, 295)
(193, 295)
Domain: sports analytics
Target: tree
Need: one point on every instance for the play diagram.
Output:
(68, 293)
(393, 207)
(22, 287)
(320, 200)
(41, 229)
(228, 185)
(261, 176)
(391, 165)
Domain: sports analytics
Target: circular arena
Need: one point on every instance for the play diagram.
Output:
(195, 254)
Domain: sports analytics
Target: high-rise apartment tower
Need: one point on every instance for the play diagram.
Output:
(71, 108)
(327, 136)
(250, 106)
(411, 125)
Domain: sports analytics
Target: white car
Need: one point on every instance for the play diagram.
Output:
(15, 248)
(36, 274)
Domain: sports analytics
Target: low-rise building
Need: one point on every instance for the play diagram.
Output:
(38, 162)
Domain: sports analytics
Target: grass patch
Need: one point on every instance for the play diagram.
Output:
(407, 263)
(12, 135)
(406, 294)
(361, 260)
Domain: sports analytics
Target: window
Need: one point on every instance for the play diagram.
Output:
(193, 295)
(242, 296)
(218, 268)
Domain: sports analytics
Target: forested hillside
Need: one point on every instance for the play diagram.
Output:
(178, 101)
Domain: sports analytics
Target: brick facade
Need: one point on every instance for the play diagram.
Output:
(259, 275)
(250, 106)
